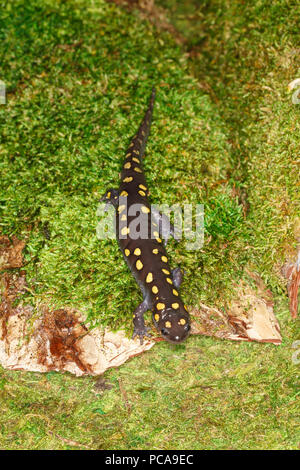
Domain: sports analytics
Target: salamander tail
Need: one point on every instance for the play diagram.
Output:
(138, 143)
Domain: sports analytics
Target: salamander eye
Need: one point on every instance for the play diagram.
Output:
(164, 332)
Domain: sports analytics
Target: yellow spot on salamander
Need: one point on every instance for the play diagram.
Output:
(137, 169)
(124, 193)
(154, 289)
(142, 186)
(121, 208)
(108, 195)
(142, 193)
(182, 321)
(127, 165)
(145, 209)
(165, 271)
(125, 231)
(127, 252)
(136, 160)
(139, 265)
(149, 278)
(168, 324)
(127, 179)
(169, 280)
(137, 252)
(175, 292)
(136, 152)
(155, 251)
(158, 240)
(175, 305)
(156, 317)
(128, 155)
(164, 259)
(156, 234)
(160, 306)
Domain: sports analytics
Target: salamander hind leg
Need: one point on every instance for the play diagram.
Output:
(111, 196)
(140, 329)
(177, 274)
(166, 228)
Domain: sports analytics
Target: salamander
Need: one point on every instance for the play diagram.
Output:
(143, 250)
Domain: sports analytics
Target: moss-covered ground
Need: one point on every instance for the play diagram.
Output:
(225, 133)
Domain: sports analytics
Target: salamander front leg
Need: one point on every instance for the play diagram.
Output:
(140, 329)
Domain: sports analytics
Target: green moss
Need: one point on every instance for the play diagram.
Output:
(77, 93)
(245, 55)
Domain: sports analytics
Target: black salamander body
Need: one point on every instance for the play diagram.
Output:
(146, 255)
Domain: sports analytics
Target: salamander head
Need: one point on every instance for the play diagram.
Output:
(174, 325)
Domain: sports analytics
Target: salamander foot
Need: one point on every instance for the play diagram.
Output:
(141, 332)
